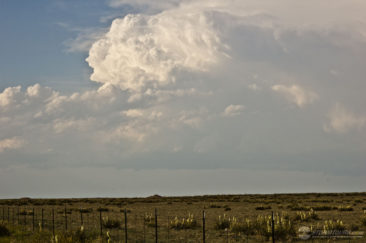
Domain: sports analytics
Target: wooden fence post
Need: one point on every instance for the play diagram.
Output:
(33, 220)
(53, 222)
(203, 226)
(8, 215)
(144, 230)
(168, 229)
(25, 217)
(273, 229)
(42, 222)
(65, 219)
(81, 217)
(101, 222)
(156, 225)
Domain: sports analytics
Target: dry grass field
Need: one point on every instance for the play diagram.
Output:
(229, 218)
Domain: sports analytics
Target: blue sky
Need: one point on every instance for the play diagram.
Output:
(133, 98)
(34, 40)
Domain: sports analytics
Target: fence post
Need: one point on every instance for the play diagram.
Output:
(126, 231)
(144, 231)
(3, 214)
(100, 222)
(18, 216)
(81, 217)
(65, 219)
(8, 215)
(53, 222)
(13, 217)
(42, 223)
(168, 229)
(156, 225)
(203, 226)
(273, 229)
(25, 218)
(33, 220)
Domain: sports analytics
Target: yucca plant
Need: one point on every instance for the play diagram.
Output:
(363, 218)
(305, 217)
(345, 208)
(149, 220)
(245, 227)
(330, 225)
(283, 227)
(184, 223)
(223, 223)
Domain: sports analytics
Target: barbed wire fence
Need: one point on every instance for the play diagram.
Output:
(126, 226)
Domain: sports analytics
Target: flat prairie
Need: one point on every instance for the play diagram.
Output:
(228, 218)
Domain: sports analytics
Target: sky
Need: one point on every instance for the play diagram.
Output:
(122, 98)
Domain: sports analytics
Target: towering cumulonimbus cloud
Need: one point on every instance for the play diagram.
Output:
(141, 51)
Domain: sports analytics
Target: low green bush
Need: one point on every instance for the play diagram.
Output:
(4, 231)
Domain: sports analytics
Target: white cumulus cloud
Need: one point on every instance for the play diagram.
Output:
(11, 143)
(296, 94)
(142, 51)
(341, 120)
(233, 110)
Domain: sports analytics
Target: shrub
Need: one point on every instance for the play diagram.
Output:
(149, 220)
(26, 212)
(345, 208)
(184, 223)
(4, 231)
(100, 209)
(283, 227)
(322, 208)
(354, 227)
(223, 223)
(330, 225)
(305, 217)
(297, 207)
(263, 207)
(86, 210)
(79, 235)
(111, 223)
(215, 206)
(245, 227)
